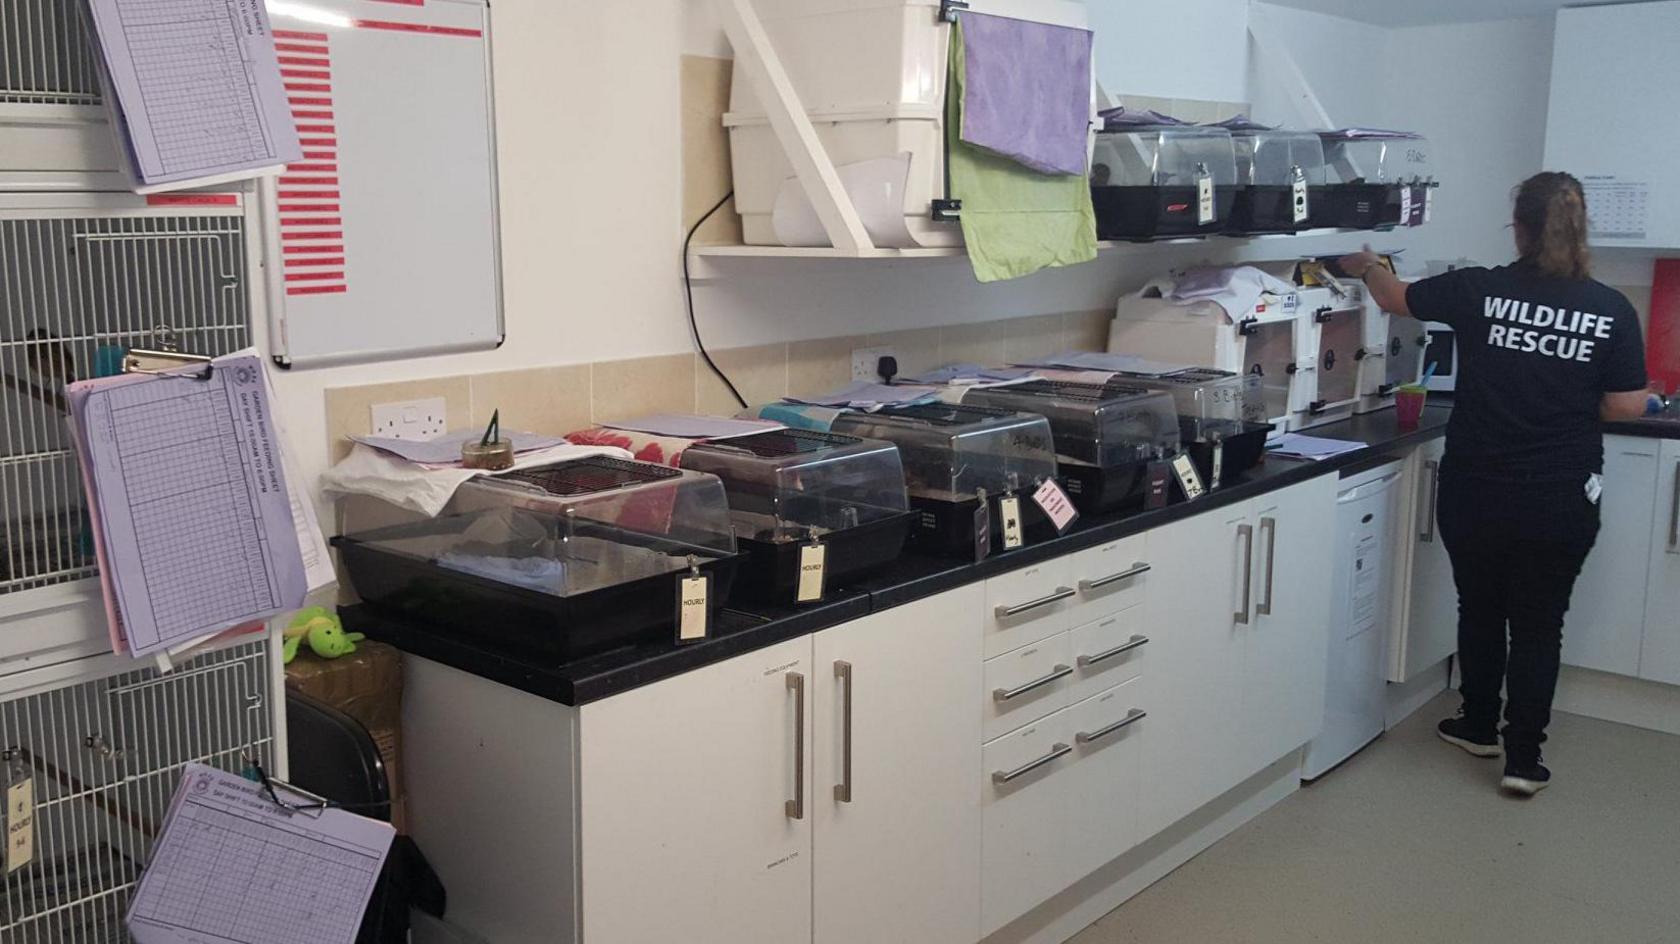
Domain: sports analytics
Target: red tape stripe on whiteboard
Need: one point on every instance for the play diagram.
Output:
(192, 199)
(305, 37)
(316, 289)
(313, 249)
(419, 28)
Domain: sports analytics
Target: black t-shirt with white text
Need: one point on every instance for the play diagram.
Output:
(1536, 355)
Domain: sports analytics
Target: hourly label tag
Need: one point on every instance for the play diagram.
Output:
(1206, 210)
(20, 823)
(1405, 206)
(1302, 208)
(1014, 534)
(1428, 202)
(1056, 504)
(813, 559)
(694, 613)
(1189, 480)
(1218, 469)
(983, 530)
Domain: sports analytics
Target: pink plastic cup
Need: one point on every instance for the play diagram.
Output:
(1408, 405)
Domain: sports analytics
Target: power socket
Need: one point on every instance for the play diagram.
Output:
(866, 359)
(411, 419)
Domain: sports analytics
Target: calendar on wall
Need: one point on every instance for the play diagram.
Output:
(1617, 208)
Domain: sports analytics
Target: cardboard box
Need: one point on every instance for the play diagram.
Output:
(367, 686)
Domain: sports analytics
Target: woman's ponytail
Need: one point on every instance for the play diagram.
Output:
(1551, 220)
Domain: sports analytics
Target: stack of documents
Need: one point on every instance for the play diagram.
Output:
(863, 395)
(194, 90)
(1297, 446)
(196, 523)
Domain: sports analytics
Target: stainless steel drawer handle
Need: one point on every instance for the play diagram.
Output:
(1136, 570)
(1121, 649)
(1132, 717)
(1009, 694)
(1434, 474)
(1057, 752)
(1062, 593)
(1246, 532)
(795, 808)
(1268, 526)
(843, 789)
(1674, 515)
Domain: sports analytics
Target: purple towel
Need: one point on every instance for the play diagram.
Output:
(1027, 94)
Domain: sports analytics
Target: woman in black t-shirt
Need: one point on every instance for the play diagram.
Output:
(1545, 354)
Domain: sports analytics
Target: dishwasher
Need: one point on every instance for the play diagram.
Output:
(1367, 516)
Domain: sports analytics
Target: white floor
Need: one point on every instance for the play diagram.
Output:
(1410, 842)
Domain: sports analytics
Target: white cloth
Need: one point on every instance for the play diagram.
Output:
(369, 471)
(1237, 289)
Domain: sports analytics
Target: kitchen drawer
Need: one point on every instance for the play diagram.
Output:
(1026, 605)
(1027, 789)
(1108, 651)
(1109, 578)
(1025, 685)
(1106, 775)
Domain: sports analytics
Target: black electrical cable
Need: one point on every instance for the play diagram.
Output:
(688, 299)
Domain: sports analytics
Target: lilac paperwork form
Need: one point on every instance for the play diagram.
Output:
(188, 480)
(230, 866)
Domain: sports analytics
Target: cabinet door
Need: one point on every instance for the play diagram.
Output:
(1200, 584)
(897, 841)
(1109, 733)
(690, 816)
(1606, 619)
(1660, 658)
(1289, 639)
(1027, 794)
(1431, 625)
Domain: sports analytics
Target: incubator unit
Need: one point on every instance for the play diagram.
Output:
(1281, 181)
(1221, 418)
(960, 462)
(1106, 434)
(1158, 183)
(792, 488)
(560, 560)
(1376, 181)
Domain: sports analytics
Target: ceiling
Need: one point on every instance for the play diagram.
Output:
(1433, 12)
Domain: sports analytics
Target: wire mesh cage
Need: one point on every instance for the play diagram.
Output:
(75, 292)
(45, 57)
(105, 757)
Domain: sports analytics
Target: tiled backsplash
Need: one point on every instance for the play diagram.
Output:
(561, 399)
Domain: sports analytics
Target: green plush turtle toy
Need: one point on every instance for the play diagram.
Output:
(322, 630)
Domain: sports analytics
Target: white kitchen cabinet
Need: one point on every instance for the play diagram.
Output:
(1427, 630)
(690, 818)
(1202, 579)
(894, 805)
(1026, 605)
(1659, 659)
(1110, 730)
(1606, 622)
(1028, 791)
(1289, 632)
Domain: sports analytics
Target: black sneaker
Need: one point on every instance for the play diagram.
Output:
(1473, 740)
(1525, 777)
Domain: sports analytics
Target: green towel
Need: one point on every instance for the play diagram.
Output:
(1015, 221)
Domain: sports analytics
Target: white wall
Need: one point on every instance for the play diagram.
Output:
(1173, 49)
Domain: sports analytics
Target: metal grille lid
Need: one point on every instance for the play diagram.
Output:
(590, 475)
(782, 442)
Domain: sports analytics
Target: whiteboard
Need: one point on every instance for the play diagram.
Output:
(1613, 70)
(383, 241)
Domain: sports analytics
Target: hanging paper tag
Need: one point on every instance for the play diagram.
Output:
(1405, 206)
(983, 529)
(1160, 481)
(1428, 202)
(813, 559)
(20, 821)
(1056, 505)
(1189, 480)
(694, 612)
(1218, 464)
(1014, 533)
(1302, 209)
(1206, 211)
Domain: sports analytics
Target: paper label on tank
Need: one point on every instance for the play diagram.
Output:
(1218, 464)
(1405, 206)
(693, 609)
(1302, 209)
(1428, 203)
(1014, 534)
(20, 823)
(1189, 480)
(1056, 504)
(983, 530)
(1206, 211)
(813, 560)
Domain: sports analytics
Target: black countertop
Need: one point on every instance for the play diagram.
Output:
(1649, 428)
(911, 578)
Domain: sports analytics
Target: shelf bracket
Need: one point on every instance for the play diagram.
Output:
(793, 128)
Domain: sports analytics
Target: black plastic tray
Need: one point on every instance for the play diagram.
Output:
(475, 607)
(770, 572)
(1258, 210)
(1360, 206)
(946, 528)
(1243, 450)
(1146, 213)
(1096, 490)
